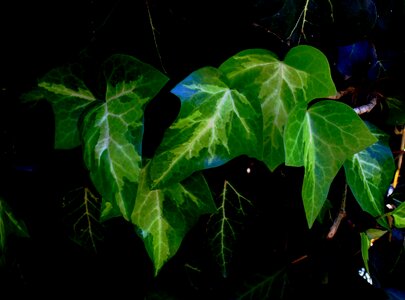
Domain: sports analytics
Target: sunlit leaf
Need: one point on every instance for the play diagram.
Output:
(365, 245)
(279, 85)
(321, 139)
(399, 216)
(369, 174)
(164, 216)
(113, 132)
(215, 125)
(65, 90)
(367, 239)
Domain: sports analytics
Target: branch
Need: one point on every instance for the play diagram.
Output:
(394, 183)
(367, 107)
(339, 218)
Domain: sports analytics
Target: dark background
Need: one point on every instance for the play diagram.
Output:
(37, 36)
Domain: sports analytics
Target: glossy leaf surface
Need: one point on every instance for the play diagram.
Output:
(215, 124)
(164, 216)
(368, 174)
(321, 139)
(279, 85)
(113, 132)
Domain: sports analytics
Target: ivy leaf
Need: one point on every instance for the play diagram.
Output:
(321, 139)
(367, 239)
(224, 226)
(369, 173)
(82, 216)
(365, 245)
(396, 111)
(215, 125)
(164, 216)
(279, 85)
(113, 132)
(68, 95)
(9, 224)
(399, 216)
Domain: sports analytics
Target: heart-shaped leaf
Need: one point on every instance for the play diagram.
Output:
(321, 139)
(279, 85)
(113, 132)
(164, 216)
(215, 125)
(368, 174)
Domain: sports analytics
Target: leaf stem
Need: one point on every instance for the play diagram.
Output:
(340, 216)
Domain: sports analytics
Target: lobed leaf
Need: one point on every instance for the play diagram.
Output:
(68, 95)
(164, 216)
(113, 132)
(279, 86)
(368, 174)
(321, 139)
(215, 125)
(9, 224)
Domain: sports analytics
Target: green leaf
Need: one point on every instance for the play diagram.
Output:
(112, 132)
(224, 226)
(321, 139)
(68, 95)
(367, 239)
(399, 216)
(279, 85)
(215, 125)
(9, 224)
(365, 245)
(369, 173)
(83, 217)
(396, 109)
(164, 216)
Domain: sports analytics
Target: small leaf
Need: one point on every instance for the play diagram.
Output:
(321, 139)
(164, 216)
(399, 216)
(365, 245)
(396, 109)
(369, 173)
(113, 131)
(215, 125)
(279, 85)
(64, 89)
(367, 239)
(9, 224)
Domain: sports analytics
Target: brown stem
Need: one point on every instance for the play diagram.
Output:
(342, 214)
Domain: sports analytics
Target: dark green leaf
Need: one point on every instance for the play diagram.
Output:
(396, 111)
(225, 223)
(9, 224)
(267, 287)
(64, 89)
